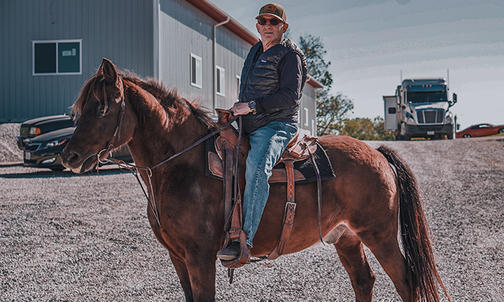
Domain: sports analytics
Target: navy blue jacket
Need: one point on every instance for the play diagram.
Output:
(274, 79)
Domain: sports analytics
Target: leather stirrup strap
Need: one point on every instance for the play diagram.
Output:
(236, 232)
(228, 186)
(289, 212)
(319, 194)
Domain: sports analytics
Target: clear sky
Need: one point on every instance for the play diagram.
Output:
(369, 43)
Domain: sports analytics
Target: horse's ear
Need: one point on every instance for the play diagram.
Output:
(108, 71)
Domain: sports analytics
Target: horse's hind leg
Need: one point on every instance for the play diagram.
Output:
(351, 253)
(386, 249)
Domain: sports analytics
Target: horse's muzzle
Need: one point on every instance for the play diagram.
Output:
(76, 162)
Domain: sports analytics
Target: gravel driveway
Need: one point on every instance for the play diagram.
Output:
(66, 237)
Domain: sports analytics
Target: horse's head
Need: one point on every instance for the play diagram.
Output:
(103, 124)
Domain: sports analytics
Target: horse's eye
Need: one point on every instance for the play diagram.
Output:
(102, 111)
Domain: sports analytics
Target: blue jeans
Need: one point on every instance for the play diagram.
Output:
(266, 147)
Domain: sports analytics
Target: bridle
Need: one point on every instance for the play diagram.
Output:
(134, 168)
(116, 136)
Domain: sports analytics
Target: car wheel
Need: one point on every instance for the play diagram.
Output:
(467, 135)
(501, 131)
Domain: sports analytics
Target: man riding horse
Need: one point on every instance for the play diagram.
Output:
(272, 80)
(373, 196)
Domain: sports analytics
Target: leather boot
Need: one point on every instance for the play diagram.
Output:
(231, 252)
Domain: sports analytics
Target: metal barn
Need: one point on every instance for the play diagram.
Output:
(50, 48)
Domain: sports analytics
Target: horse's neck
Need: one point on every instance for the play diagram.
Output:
(158, 136)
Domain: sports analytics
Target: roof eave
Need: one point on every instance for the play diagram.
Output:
(218, 15)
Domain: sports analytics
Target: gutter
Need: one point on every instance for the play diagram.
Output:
(214, 46)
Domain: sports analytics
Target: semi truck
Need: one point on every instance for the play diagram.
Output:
(420, 108)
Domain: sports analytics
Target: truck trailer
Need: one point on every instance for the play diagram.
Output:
(420, 108)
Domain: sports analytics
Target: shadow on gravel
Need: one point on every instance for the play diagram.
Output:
(63, 174)
(8, 165)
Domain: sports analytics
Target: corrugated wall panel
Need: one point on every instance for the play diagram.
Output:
(230, 54)
(183, 30)
(308, 101)
(99, 25)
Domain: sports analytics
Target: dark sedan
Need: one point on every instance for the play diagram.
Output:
(42, 125)
(480, 130)
(44, 150)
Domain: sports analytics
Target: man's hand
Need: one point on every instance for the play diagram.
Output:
(241, 108)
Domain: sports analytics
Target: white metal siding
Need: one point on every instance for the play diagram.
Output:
(157, 40)
(183, 30)
(308, 102)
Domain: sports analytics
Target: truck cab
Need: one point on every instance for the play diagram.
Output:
(420, 108)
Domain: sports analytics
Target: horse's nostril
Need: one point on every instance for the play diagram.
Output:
(72, 157)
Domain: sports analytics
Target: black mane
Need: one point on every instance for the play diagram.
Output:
(169, 98)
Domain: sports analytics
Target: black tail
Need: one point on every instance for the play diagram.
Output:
(415, 234)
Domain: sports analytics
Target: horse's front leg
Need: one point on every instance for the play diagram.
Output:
(183, 276)
(201, 269)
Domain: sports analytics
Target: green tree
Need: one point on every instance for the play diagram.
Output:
(366, 129)
(381, 133)
(331, 110)
(331, 113)
(360, 128)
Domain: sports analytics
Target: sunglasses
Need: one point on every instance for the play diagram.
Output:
(264, 21)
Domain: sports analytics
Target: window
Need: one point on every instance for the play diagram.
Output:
(57, 57)
(220, 79)
(307, 118)
(238, 79)
(196, 72)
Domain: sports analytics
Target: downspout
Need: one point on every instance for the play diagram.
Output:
(214, 46)
(155, 39)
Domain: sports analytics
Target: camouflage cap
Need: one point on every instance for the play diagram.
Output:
(273, 10)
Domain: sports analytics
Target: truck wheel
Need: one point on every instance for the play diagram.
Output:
(467, 135)
(501, 131)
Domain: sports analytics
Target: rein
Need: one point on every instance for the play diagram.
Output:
(134, 168)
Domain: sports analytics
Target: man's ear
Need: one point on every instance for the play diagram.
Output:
(284, 27)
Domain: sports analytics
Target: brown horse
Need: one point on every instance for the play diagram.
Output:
(360, 206)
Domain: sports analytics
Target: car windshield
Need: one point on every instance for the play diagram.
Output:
(426, 97)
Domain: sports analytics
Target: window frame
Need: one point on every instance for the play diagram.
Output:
(56, 54)
(197, 58)
(220, 82)
(307, 116)
(238, 82)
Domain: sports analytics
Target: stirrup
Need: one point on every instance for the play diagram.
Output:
(244, 256)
